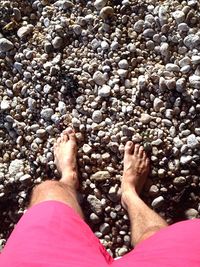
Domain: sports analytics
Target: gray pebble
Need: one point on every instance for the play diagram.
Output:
(5, 45)
(157, 202)
(104, 228)
(25, 30)
(47, 113)
(97, 116)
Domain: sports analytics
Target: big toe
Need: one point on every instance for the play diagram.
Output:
(129, 148)
(71, 134)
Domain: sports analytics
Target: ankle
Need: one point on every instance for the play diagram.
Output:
(128, 197)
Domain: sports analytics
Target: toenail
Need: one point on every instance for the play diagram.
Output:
(69, 130)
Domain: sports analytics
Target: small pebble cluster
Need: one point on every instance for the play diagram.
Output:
(116, 71)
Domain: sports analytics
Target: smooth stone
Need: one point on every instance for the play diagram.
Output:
(123, 64)
(179, 180)
(192, 141)
(64, 4)
(157, 202)
(157, 142)
(25, 30)
(57, 42)
(105, 45)
(185, 159)
(100, 176)
(94, 218)
(122, 251)
(104, 228)
(185, 69)
(99, 4)
(47, 113)
(5, 45)
(177, 142)
(5, 105)
(158, 104)
(195, 60)
(191, 41)
(25, 178)
(184, 62)
(97, 116)
(106, 12)
(172, 67)
(138, 26)
(191, 213)
(183, 27)
(95, 204)
(179, 16)
(154, 190)
(164, 49)
(104, 91)
(122, 73)
(16, 166)
(87, 149)
(148, 33)
(180, 85)
(113, 193)
(99, 78)
(145, 118)
(197, 131)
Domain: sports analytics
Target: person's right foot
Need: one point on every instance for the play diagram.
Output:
(136, 169)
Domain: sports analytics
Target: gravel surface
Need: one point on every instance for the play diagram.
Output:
(116, 71)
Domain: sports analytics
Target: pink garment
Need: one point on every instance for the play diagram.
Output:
(51, 234)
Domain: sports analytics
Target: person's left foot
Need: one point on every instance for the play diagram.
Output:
(65, 150)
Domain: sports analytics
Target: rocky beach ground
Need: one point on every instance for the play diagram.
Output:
(115, 71)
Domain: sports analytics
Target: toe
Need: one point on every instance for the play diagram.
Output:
(136, 149)
(64, 137)
(58, 141)
(141, 151)
(129, 147)
(71, 134)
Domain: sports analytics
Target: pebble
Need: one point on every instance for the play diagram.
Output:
(5, 45)
(99, 78)
(158, 104)
(16, 166)
(145, 118)
(95, 204)
(179, 181)
(104, 91)
(179, 16)
(97, 116)
(5, 105)
(47, 113)
(122, 251)
(106, 12)
(123, 64)
(157, 202)
(191, 213)
(87, 149)
(192, 141)
(100, 176)
(172, 67)
(57, 42)
(99, 4)
(185, 159)
(24, 31)
(104, 228)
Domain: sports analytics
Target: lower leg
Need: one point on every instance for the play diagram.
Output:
(144, 221)
(64, 190)
(56, 190)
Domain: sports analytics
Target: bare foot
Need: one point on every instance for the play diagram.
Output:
(136, 169)
(65, 150)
